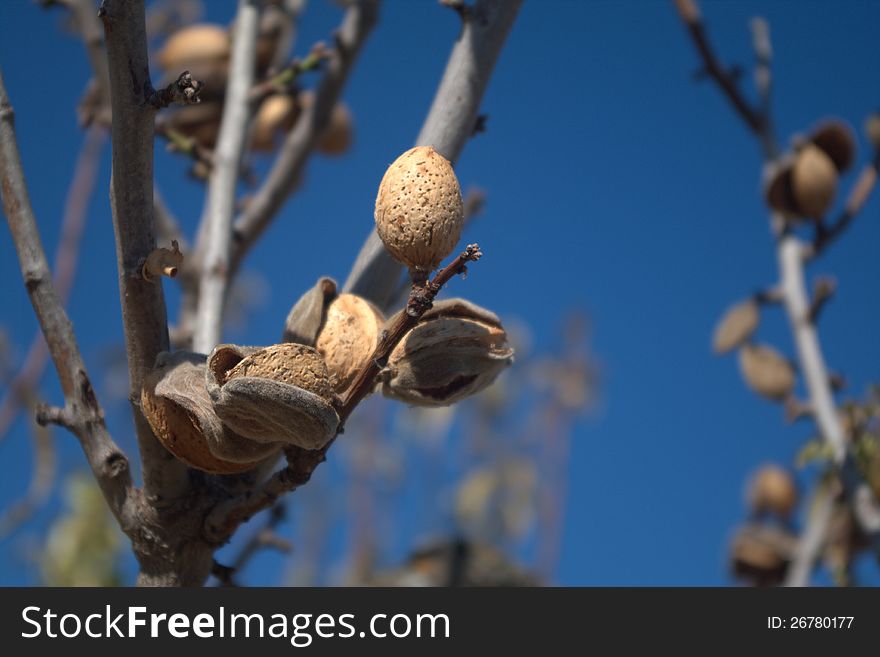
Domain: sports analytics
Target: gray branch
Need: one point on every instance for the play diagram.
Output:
(299, 144)
(222, 185)
(811, 541)
(449, 124)
(792, 254)
(83, 412)
(131, 202)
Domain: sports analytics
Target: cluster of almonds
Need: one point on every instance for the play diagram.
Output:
(803, 184)
(204, 50)
(238, 406)
(766, 371)
(763, 548)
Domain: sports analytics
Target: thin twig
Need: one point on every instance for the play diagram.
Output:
(420, 300)
(228, 515)
(264, 538)
(66, 258)
(302, 139)
(447, 128)
(756, 121)
(823, 290)
(222, 185)
(285, 78)
(109, 464)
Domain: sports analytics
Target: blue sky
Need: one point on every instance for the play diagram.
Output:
(617, 185)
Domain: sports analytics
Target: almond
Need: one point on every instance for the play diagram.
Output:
(419, 212)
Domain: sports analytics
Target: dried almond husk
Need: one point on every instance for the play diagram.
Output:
(277, 393)
(736, 326)
(419, 210)
(456, 350)
(348, 337)
(836, 139)
(177, 406)
(766, 371)
(305, 319)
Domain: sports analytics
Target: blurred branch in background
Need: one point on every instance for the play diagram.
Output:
(23, 388)
(800, 189)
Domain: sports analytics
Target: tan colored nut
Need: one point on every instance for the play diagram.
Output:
(278, 393)
(766, 371)
(178, 409)
(195, 46)
(349, 337)
(455, 351)
(290, 363)
(736, 326)
(772, 489)
(339, 134)
(276, 114)
(419, 211)
(814, 181)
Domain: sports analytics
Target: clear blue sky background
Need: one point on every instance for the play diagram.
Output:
(633, 190)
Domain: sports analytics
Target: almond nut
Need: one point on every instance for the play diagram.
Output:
(419, 211)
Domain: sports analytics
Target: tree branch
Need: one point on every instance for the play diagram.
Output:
(264, 537)
(811, 541)
(66, 256)
(109, 465)
(300, 142)
(790, 251)
(758, 121)
(792, 254)
(448, 126)
(131, 201)
(222, 184)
